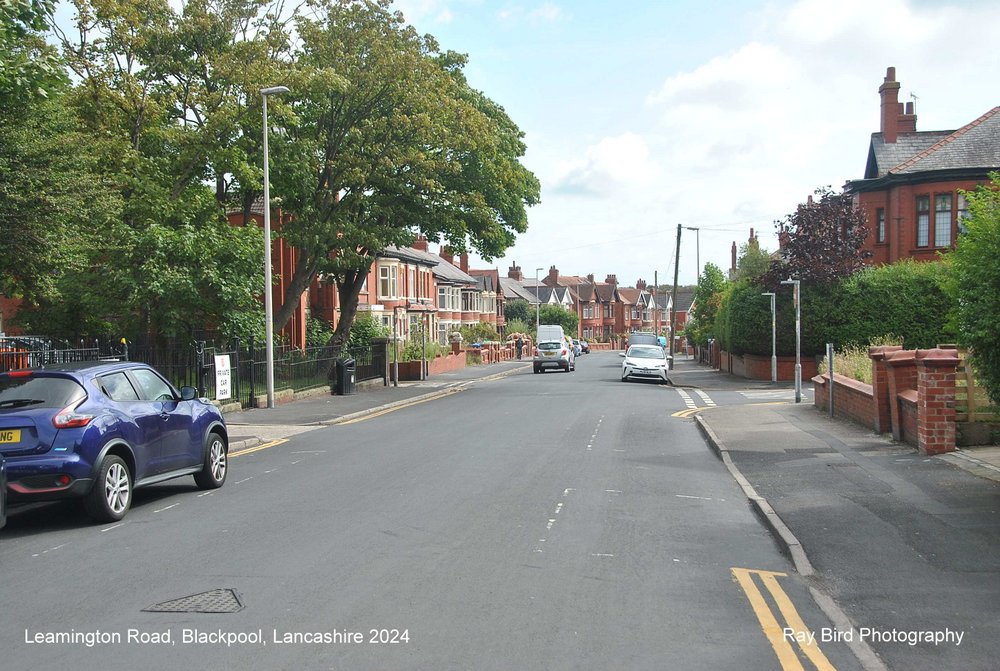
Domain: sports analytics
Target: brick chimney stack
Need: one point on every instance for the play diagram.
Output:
(553, 279)
(895, 118)
(611, 279)
(590, 277)
(640, 284)
(420, 244)
(514, 272)
(463, 261)
(447, 254)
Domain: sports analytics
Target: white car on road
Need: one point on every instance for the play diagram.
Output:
(647, 362)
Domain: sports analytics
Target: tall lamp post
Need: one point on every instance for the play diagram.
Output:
(538, 303)
(798, 339)
(774, 338)
(268, 308)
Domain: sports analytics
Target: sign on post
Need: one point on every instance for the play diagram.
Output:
(223, 378)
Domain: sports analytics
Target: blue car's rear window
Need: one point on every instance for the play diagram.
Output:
(38, 392)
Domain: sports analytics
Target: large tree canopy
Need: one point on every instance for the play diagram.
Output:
(821, 241)
(389, 140)
(977, 276)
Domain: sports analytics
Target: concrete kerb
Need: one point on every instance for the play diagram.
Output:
(778, 528)
(790, 544)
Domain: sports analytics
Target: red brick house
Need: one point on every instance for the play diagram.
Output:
(913, 179)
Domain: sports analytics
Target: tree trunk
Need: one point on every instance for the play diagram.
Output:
(348, 291)
(302, 277)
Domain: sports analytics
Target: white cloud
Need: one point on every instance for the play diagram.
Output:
(546, 12)
(610, 165)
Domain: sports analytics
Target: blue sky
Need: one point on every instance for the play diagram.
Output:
(724, 116)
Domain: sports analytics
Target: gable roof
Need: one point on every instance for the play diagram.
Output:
(513, 290)
(444, 272)
(974, 147)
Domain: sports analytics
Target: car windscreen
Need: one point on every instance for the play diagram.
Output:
(38, 392)
(549, 345)
(646, 352)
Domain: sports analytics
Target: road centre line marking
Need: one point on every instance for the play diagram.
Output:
(113, 527)
(386, 411)
(775, 633)
(700, 498)
(258, 448)
(240, 482)
(167, 508)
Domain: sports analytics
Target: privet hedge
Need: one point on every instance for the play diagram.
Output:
(906, 299)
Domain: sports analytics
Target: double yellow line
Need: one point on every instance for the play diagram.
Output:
(794, 629)
(258, 448)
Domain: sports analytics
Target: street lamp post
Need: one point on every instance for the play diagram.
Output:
(798, 338)
(268, 308)
(538, 303)
(774, 338)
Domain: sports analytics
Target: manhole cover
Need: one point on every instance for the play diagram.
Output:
(213, 601)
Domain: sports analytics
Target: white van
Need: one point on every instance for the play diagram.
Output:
(553, 349)
(550, 333)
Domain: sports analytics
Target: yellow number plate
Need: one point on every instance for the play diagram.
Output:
(10, 435)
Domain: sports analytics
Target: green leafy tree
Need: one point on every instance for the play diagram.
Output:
(707, 300)
(519, 310)
(54, 201)
(389, 139)
(157, 93)
(821, 242)
(555, 314)
(364, 330)
(29, 67)
(977, 283)
(753, 262)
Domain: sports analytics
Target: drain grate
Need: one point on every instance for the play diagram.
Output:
(213, 601)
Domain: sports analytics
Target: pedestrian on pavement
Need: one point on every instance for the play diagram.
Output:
(519, 346)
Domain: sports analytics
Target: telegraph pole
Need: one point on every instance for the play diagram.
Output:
(673, 298)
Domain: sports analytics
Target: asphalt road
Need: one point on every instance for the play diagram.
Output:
(555, 521)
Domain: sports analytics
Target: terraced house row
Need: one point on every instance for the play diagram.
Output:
(410, 287)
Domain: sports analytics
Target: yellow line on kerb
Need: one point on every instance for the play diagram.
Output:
(258, 448)
(688, 412)
(798, 633)
(373, 415)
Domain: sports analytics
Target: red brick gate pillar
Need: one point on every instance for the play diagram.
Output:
(902, 376)
(936, 400)
(880, 387)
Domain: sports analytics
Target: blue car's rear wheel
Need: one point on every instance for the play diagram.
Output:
(111, 496)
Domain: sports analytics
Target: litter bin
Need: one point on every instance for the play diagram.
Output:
(346, 371)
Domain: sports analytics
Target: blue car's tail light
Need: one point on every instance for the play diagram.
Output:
(69, 418)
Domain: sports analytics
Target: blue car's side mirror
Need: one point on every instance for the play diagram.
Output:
(188, 393)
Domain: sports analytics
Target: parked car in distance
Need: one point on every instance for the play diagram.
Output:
(645, 362)
(578, 347)
(643, 338)
(556, 354)
(584, 347)
(98, 430)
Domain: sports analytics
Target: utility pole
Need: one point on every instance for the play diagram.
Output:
(673, 298)
(656, 306)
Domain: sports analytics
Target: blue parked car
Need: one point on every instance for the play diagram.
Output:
(99, 430)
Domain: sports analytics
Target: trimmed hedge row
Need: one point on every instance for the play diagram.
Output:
(908, 300)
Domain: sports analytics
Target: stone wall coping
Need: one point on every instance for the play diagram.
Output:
(882, 351)
(901, 357)
(937, 357)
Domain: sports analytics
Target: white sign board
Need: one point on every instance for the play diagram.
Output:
(223, 378)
